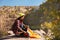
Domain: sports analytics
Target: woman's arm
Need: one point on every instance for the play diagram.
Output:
(26, 26)
(18, 25)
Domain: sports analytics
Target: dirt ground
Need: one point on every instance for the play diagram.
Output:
(12, 37)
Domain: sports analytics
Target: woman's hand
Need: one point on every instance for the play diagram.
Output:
(25, 32)
(26, 26)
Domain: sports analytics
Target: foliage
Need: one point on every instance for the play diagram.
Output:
(51, 11)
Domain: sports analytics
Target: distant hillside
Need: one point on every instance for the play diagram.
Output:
(8, 14)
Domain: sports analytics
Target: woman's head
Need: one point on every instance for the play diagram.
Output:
(22, 18)
(22, 15)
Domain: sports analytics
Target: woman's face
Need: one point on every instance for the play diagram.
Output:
(22, 17)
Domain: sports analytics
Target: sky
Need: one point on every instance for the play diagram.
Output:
(21, 2)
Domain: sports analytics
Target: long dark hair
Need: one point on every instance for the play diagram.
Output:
(15, 24)
(18, 18)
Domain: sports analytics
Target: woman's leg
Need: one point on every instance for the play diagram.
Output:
(18, 33)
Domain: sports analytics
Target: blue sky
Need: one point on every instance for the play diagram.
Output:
(21, 2)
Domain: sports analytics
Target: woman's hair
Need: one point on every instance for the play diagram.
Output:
(18, 18)
(15, 23)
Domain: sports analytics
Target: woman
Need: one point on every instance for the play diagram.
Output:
(19, 28)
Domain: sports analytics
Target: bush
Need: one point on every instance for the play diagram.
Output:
(3, 33)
